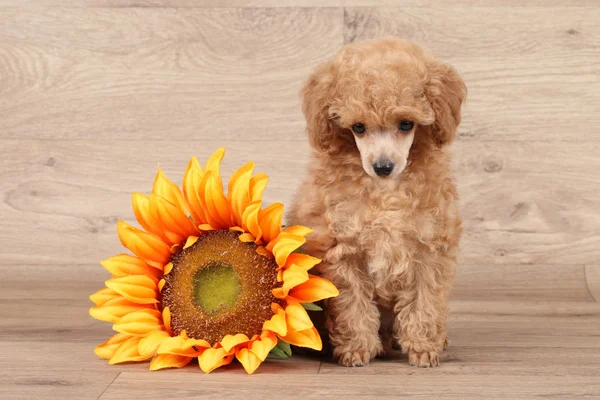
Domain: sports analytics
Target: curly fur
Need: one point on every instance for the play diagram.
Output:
(386, 243)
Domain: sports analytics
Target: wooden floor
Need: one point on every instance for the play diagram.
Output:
(95, 93)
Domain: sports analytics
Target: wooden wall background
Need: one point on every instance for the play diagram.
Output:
(95, 93)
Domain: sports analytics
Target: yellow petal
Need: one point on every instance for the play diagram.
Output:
(292, 277)
(114, 309)
(308, 338)
(230, 341)
(195, 344)
(258, 184)
(303, 261)
(298, 230)
(175, 345)
(169, 191)
(103, 295)
(125, 264)
(270, 221)
(161, 284)
(249, 360)
(263, 346)
(190, 241)
(166, 316)
(296, 318)
(217, 203)
(191, 190)
(140, 289)
(213, 164)
(168, 268)
(277, 323)
(141, 209)
(150, 343)
(238, 193)
(250, 220)
(315, 289)
(127, 352)
(214, 358)
(140, 323)
(175, 224)
(246, 238)
(107, 349)
(162, 361)
(264, 252)
(284, 245)
(146, 246)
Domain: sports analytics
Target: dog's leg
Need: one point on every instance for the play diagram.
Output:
(422, 313)
(352, 317)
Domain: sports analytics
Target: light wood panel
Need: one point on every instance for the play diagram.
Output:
(592, 274)
(143, 74)
(518, 208)
(292, 3)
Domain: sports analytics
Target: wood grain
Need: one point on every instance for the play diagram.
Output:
(144, 74)
(592, 274)
(517, 209)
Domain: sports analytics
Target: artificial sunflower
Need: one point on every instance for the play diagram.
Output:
(213, 276)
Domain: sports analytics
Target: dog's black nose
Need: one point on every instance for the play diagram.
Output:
(383, 168)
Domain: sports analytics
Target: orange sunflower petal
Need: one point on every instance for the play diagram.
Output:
(315, 289)
(149, 344)
(258, 184)
(303, 261)
(146, 246)
(107, 349)
(141, 209)
(230, 341)
(213, 164)
(170, 191)
(216, 202)
(175, 345)
(298, 230)
(140, 323)
(284, 245)
(248, 359)
(238, 193)
(270, 221)
(263, 346)
(125, 264)
(127, 352)
(141, 289)
(175, 224)
(191, 190)
(292, 277)
(114, 309)
(103, 295)
(250, 220)
(297, 318)
(277, 323)
(162, 361)
(307, 338)
(214, 358)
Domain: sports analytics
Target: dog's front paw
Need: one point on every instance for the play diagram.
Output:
(355, 358)
(423, 359)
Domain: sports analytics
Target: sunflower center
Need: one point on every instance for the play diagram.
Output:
(220, 286)
(217, 287)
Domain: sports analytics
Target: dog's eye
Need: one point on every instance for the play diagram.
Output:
(359, 128)
(406, 126)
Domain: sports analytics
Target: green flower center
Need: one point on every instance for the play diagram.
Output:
(217, 287)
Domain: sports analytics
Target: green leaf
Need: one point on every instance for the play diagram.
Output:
(279, 353)
(311, 307)
(285, 347)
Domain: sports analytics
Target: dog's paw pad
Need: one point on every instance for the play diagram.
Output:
(356, 358)
(423, 359)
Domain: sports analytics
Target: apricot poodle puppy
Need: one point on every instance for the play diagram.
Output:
(381, 197)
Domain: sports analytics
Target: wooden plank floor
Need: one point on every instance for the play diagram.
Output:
(95, 93)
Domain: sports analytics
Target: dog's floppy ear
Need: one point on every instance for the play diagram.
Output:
(315, 105)
(446, 92)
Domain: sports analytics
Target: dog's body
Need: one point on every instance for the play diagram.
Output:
(382, 201)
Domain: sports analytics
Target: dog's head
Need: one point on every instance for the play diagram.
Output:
(377, 98)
